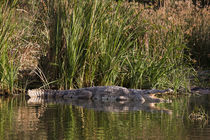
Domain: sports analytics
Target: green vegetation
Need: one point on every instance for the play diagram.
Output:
(75, 43)
(8, 64)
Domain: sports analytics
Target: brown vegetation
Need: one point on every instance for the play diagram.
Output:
(36, 35)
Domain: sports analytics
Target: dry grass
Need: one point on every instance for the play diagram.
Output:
(34, 35)
(193, 21)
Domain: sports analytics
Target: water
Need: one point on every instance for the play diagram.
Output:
(58, 120)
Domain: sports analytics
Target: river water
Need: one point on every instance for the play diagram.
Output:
(21, 119)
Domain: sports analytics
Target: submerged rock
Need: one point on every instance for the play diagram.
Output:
(101, 93)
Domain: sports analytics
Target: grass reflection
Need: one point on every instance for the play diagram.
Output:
(19, 120)
(83, 123)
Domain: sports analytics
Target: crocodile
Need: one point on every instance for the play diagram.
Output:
(102, 93)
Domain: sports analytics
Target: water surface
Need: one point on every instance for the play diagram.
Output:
(22, 120)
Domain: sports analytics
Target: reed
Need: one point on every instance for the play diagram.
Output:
(74, 43)
(109, 43)
(8, 66)
(95, 42)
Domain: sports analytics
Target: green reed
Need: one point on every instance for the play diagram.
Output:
(8, 66)
(95, 42)
(107, 43)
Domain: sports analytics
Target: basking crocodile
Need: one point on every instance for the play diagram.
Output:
(101, 93)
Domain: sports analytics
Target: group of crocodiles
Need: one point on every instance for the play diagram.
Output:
(102, 93)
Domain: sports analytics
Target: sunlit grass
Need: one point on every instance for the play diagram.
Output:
(94, 42)
(8, 66)
(105, 43)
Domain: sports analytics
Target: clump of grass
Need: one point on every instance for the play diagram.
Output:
(94, 42)
(198, 37)
(95, 39)
(8, 65)
(30, 40)
(194, 22)
(108, 43)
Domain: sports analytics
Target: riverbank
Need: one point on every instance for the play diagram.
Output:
(75, 44)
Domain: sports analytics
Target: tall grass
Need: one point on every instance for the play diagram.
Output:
(102, 42)
(95, 42)
(108, 43)
(8, 67)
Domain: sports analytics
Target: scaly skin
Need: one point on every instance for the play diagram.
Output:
(101, 93)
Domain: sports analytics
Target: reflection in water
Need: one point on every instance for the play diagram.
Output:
(27, 122)
(19, 121)
(76, 120)
(121, 106)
